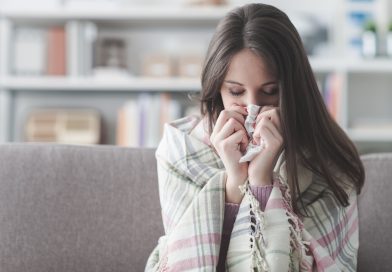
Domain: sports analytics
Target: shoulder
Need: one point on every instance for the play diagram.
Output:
(315, 185)
(182, 137)
(185, 124)
(339, 176)
(182, 147)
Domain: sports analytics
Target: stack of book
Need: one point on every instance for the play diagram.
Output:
(51, 51)
(40, 52)
(141, 120)
(71, 126)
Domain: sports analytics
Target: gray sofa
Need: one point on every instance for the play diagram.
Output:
(96, 208)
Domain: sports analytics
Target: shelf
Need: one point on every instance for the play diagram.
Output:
(323, 65)
(377, 65)
(47, 83)
(101, 84)
(369, 135)
(143, 13)
(352, 65)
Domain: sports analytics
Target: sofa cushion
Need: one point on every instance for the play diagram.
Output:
(77, 208)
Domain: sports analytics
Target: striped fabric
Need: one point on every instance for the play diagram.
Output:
(192, 194)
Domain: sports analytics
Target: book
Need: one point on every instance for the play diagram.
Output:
(332, 95)
(72, 29)
(154, 134)
(144, 116)
(88, 36)
(80, 47)
(57, 55)
(128, 124)
(141, 120)
(29, 51)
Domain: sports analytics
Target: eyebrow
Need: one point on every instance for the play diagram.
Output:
(238, 83)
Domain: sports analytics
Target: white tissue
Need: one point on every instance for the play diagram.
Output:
(252, 149)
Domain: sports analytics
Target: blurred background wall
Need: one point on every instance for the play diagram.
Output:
(114, 71)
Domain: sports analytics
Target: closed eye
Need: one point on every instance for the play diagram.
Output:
(271, 91)
(236, 93)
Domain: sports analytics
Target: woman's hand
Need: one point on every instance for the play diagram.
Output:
(268, 129)
(229, 138)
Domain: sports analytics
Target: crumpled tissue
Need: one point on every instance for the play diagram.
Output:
(252, 149)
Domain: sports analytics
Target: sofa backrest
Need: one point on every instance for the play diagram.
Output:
(80, 208)
(77, 208)
(375, 214)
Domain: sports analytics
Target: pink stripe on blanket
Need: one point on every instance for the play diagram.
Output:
(324, 263)
(352, 230)
(321, 262)
(197, 240)
(328, 261)
(208, 260)
(331, 236)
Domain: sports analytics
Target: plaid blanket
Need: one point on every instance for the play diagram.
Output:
(192, 195)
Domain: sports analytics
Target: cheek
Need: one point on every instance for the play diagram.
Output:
(273, 101)
(228, 100)
(276, 102)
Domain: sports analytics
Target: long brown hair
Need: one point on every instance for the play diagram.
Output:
(309, 131)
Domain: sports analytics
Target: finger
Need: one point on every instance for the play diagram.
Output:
(264, 134)
(244, 140)
(273, 129)
(240, 109)
(258, 135)
(235, 141)
(224, 116)
(267, 124)
(273, 115)
(271, 136)
(267, 108)
(231, 126)
(268, 111)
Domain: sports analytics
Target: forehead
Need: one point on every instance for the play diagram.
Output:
(248, 68)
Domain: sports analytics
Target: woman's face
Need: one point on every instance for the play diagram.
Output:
(249, 81)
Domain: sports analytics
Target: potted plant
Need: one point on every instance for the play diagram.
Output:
(369, 39)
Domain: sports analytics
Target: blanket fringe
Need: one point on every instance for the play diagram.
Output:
(258, 225)
(296, 226)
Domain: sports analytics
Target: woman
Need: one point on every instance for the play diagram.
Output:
(292, 207)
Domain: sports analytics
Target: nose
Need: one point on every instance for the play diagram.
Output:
(252, 99)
